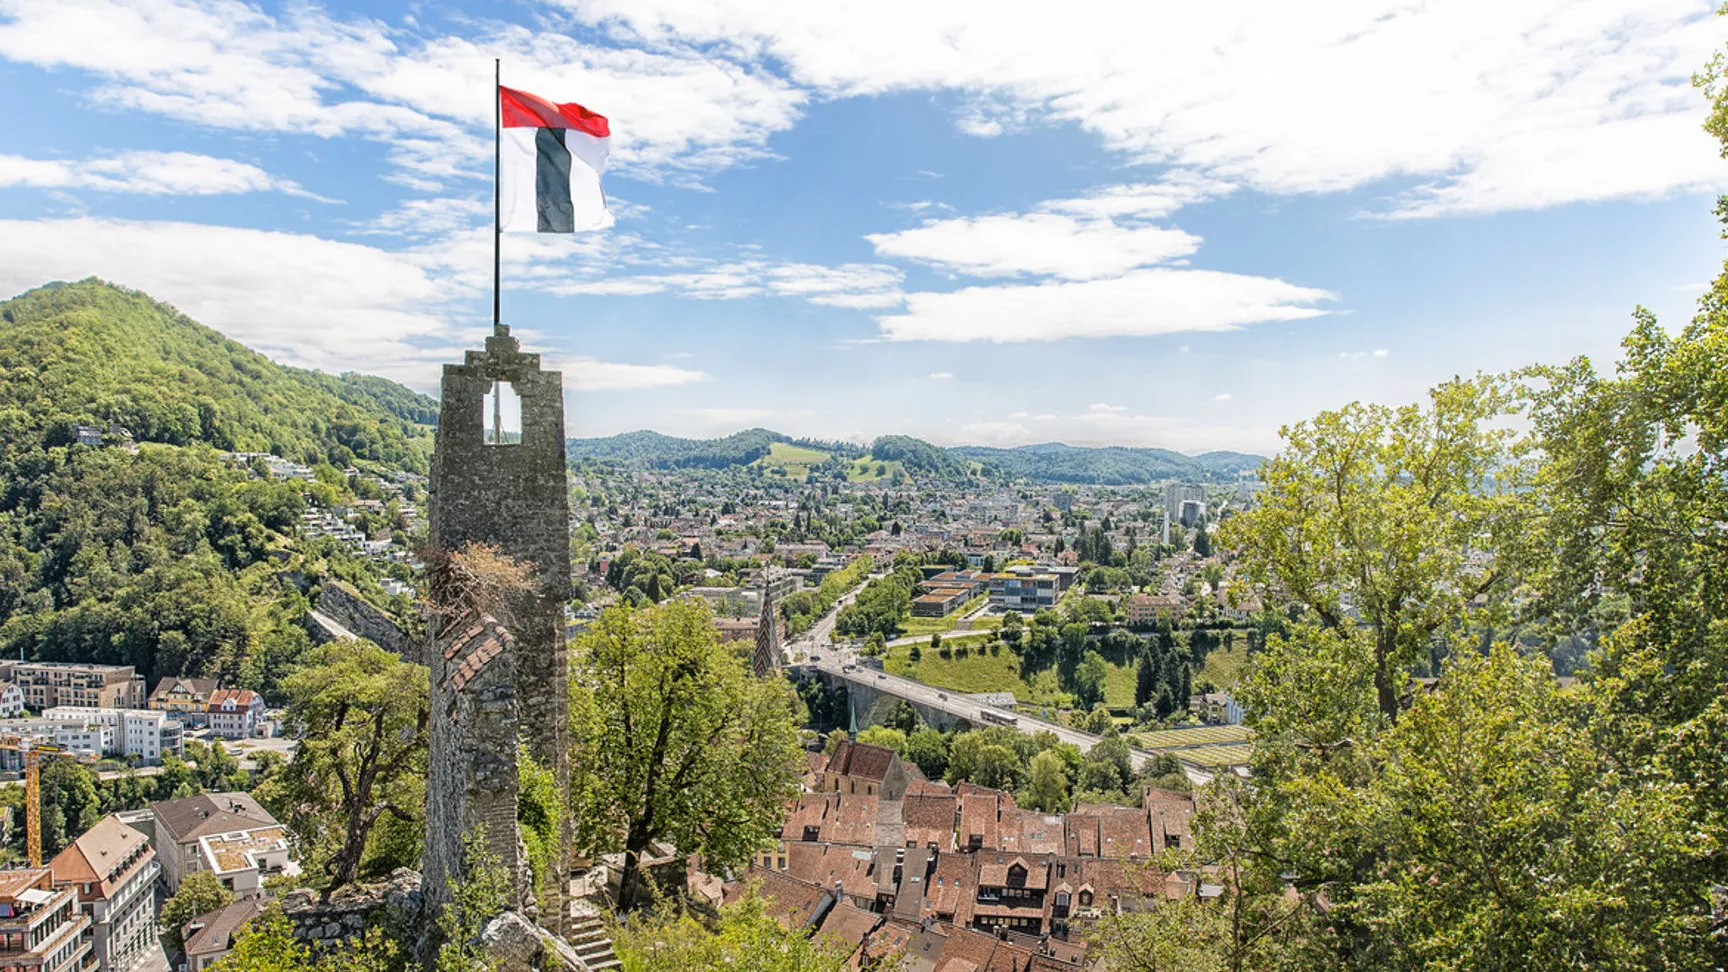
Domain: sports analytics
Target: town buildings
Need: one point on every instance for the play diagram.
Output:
(48, 684)
(177, 829)
(113, 870)
(42, 928)
(145, 734)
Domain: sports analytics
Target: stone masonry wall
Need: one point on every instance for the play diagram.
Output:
(346, 607)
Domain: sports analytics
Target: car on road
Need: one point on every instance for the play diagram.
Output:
(942, 695)
(815, 658)
(881, 676)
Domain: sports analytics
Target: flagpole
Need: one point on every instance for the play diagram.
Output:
(497, 212)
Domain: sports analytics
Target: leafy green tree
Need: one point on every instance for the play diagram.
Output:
(200, 893)
(674, 740)
(1089, 679)
(928, 749)
(1394, 512)
(884, 736)
(1047, 783)
(746, 938)
(361, 715)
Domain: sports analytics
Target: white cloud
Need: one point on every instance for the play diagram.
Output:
(1222, 398)
(1037, 243)
(1143, 302)
(301, 299)
(225, 64)
(992, 433)
(1376, 353)
(859, 285)
(1499, 104)
(727, 415)
(941, 375)
(147, 173)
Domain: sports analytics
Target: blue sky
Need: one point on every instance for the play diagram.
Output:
(974, 222)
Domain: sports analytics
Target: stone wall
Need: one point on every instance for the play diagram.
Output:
(395, 907)
(344, 605)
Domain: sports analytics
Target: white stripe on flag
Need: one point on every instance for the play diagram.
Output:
(518, 177)
(517, 212)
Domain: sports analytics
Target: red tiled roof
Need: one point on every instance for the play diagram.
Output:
(929, 820)
(862, 761)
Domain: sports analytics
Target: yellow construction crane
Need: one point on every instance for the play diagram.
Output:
(32, 755)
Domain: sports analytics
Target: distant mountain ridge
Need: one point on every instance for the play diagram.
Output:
(1056, 462)
(1051, 462)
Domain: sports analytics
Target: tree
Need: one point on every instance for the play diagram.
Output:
(746, 938)
(674, 740)
(200, 893)
(885, 736)
(1089, 678)
(267, 944)
(361, 715)
(1400, 510)
(928, 750)
(1202, 542)
(1047, 783)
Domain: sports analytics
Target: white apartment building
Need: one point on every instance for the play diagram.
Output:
(113, 871)
(147, 734)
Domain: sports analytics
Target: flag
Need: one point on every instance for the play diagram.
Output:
(550, 160)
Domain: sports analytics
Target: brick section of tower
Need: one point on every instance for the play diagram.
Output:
(512, 496)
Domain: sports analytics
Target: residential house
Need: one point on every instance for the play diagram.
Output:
(42, 928)
(210, 936)
(113, 871)
(186, 699)
(236, 713)
(243, 860)
(177, 827)
(1010, 893)
(146, 734)
(11, 700)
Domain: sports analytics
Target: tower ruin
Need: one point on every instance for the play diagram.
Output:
(494, 685)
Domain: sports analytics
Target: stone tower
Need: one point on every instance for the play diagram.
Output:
(492, 687)
(767, 658)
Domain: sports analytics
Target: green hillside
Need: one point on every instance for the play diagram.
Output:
(166, 556)
(1110, 465)
(91, 353)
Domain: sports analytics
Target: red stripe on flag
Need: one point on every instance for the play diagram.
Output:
(523, 110)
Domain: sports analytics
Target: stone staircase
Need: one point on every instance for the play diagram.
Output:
(588, 938)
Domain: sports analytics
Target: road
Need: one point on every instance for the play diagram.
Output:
(817, 637)
(834, 663)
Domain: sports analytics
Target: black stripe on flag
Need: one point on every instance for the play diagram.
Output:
(552, 182)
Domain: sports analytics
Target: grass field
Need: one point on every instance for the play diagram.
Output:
(1224, 667)
(796, 460)
(864, 470)
(974, 673)
(1199, 736)
(996, 673)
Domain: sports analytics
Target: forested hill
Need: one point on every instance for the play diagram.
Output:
(654, 449)
(1050, 463)
(1110, 465)
(91, 353)
(165, 555)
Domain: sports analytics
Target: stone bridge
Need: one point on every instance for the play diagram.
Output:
(872, 693)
